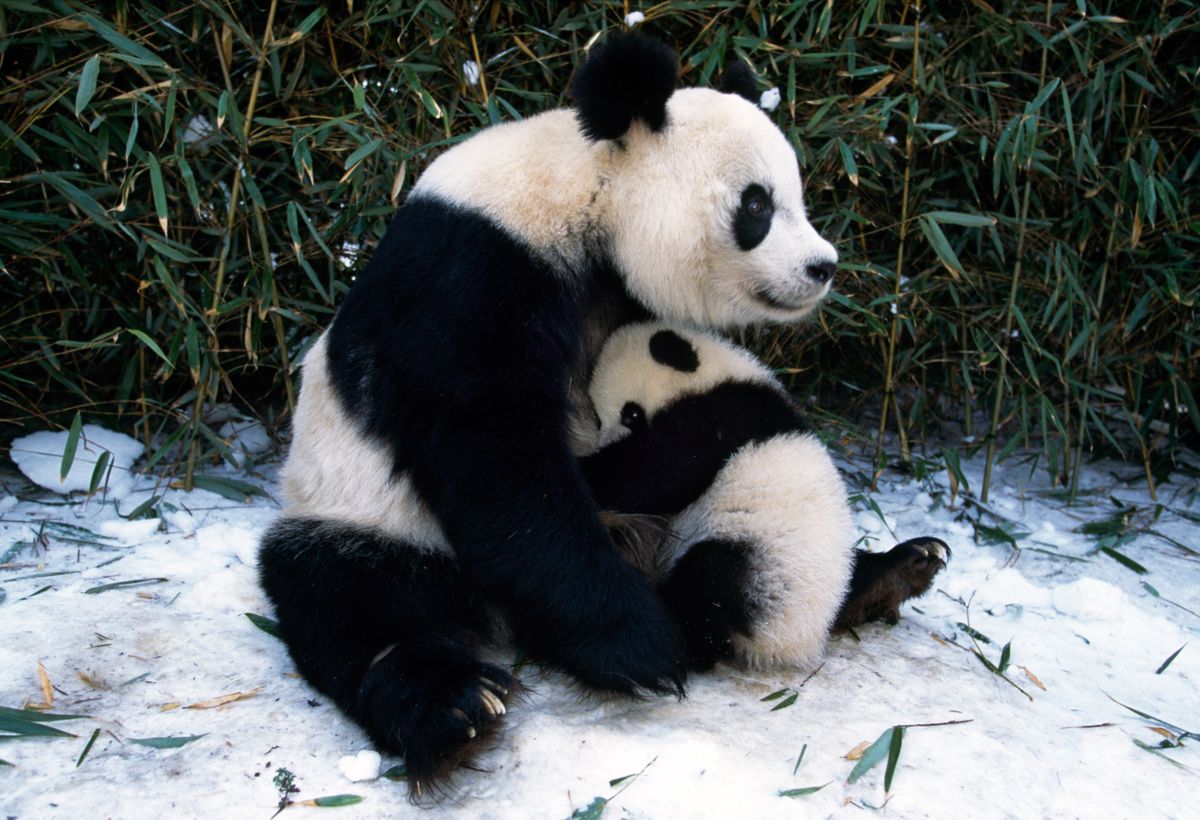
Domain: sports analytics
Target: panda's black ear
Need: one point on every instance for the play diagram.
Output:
(672, 350)
(739, 79)
(627, 76)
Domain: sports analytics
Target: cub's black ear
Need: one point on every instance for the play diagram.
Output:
(739, 79)
(672, 350)
(626, 76)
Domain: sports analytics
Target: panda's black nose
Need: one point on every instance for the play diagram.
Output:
(821, 273)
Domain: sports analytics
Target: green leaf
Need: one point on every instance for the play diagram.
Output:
(592, 811)
(87, 84)
(229, 488)
(361, 153)
(786, 702)
(941, 245)
(803, 791)
(799, 759)
(272, 628)
(139, 582)
(1005, 657)
(872, 756)
(893, 757)
(848, 162)
(165, 742)
(87, 748)
(399, 772)
(160, 194)
(68, 457)
(1165, 663)
(150, 343)
(145, 509)
(1124, 560)
(98, 472)
(966, 220)
(334, 801)
(31, 723)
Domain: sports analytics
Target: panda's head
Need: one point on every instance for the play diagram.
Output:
(646, 367)
(706, 218)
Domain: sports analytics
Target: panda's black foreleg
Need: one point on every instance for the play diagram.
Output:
(707, 591)
(388, 633)
(884, 580)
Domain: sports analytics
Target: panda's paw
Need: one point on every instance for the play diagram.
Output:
(439, 719)
(918, 561)
(637, 654)
(883, 581)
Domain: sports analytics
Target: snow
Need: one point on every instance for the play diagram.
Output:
(769, 99)
(175, 656)
(39, 456)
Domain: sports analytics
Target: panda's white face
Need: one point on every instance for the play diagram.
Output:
(707, 216)
(646, 366)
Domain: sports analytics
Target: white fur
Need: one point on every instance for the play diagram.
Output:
(334, 472)
(785, 497)
(662, 204)
(625, 372)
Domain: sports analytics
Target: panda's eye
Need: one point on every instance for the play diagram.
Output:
(633, 415)
(752, 222)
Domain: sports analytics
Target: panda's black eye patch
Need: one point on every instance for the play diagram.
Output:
(753, 219)
(670, 349)
(633, 415)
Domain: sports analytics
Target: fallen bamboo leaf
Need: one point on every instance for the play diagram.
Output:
(1032, 677)
(87, 747)
(164, 742)
(47, 689)
(802, 791)
(873, 754)
(222, 700)
(92, 683)
(331, 801)
(857, 751)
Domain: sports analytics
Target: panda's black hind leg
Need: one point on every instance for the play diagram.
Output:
(884, 580)
(706, 590)
(389, 633)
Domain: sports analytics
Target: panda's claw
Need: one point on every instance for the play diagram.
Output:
(495, 688)
(492, 704)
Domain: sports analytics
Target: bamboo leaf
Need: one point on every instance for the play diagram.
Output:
(87, 84)
(68, 456)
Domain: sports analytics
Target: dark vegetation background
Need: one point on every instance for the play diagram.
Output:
(186, 190)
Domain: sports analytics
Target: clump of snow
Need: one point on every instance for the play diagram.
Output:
(131, 532)
(246, 437)
(1089, 599)
(39, 455)
(634, 18)
(769, 100)
(470, 70)
(362, 766)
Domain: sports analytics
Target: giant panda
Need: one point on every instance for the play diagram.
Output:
(760, 565)
(433, 500)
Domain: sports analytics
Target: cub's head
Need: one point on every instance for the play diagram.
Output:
(644, 368)
(706, 218)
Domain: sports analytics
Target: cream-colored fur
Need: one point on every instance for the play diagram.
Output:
(785, 497)
(661, 204)
(334, 472)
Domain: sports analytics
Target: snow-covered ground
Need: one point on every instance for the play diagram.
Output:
(138, 626)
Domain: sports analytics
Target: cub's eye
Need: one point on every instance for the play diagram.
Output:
(756, 206)
(633, 415)
(752, 220)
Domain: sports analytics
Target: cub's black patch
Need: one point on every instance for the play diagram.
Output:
(670, 349)
(752, 222)
(739, 79)
(626, 77)
(707, 592)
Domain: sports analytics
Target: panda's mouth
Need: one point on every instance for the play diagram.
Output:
(769, 299)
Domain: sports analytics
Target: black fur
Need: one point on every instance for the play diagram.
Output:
(343, 596)
(453, 350)
(672, 350)
(752, 222)
(739, 79)
(627, 76)
(662, 467)
(884, 580)
(707, 591)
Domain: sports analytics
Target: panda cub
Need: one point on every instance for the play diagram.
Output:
(760, 565)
